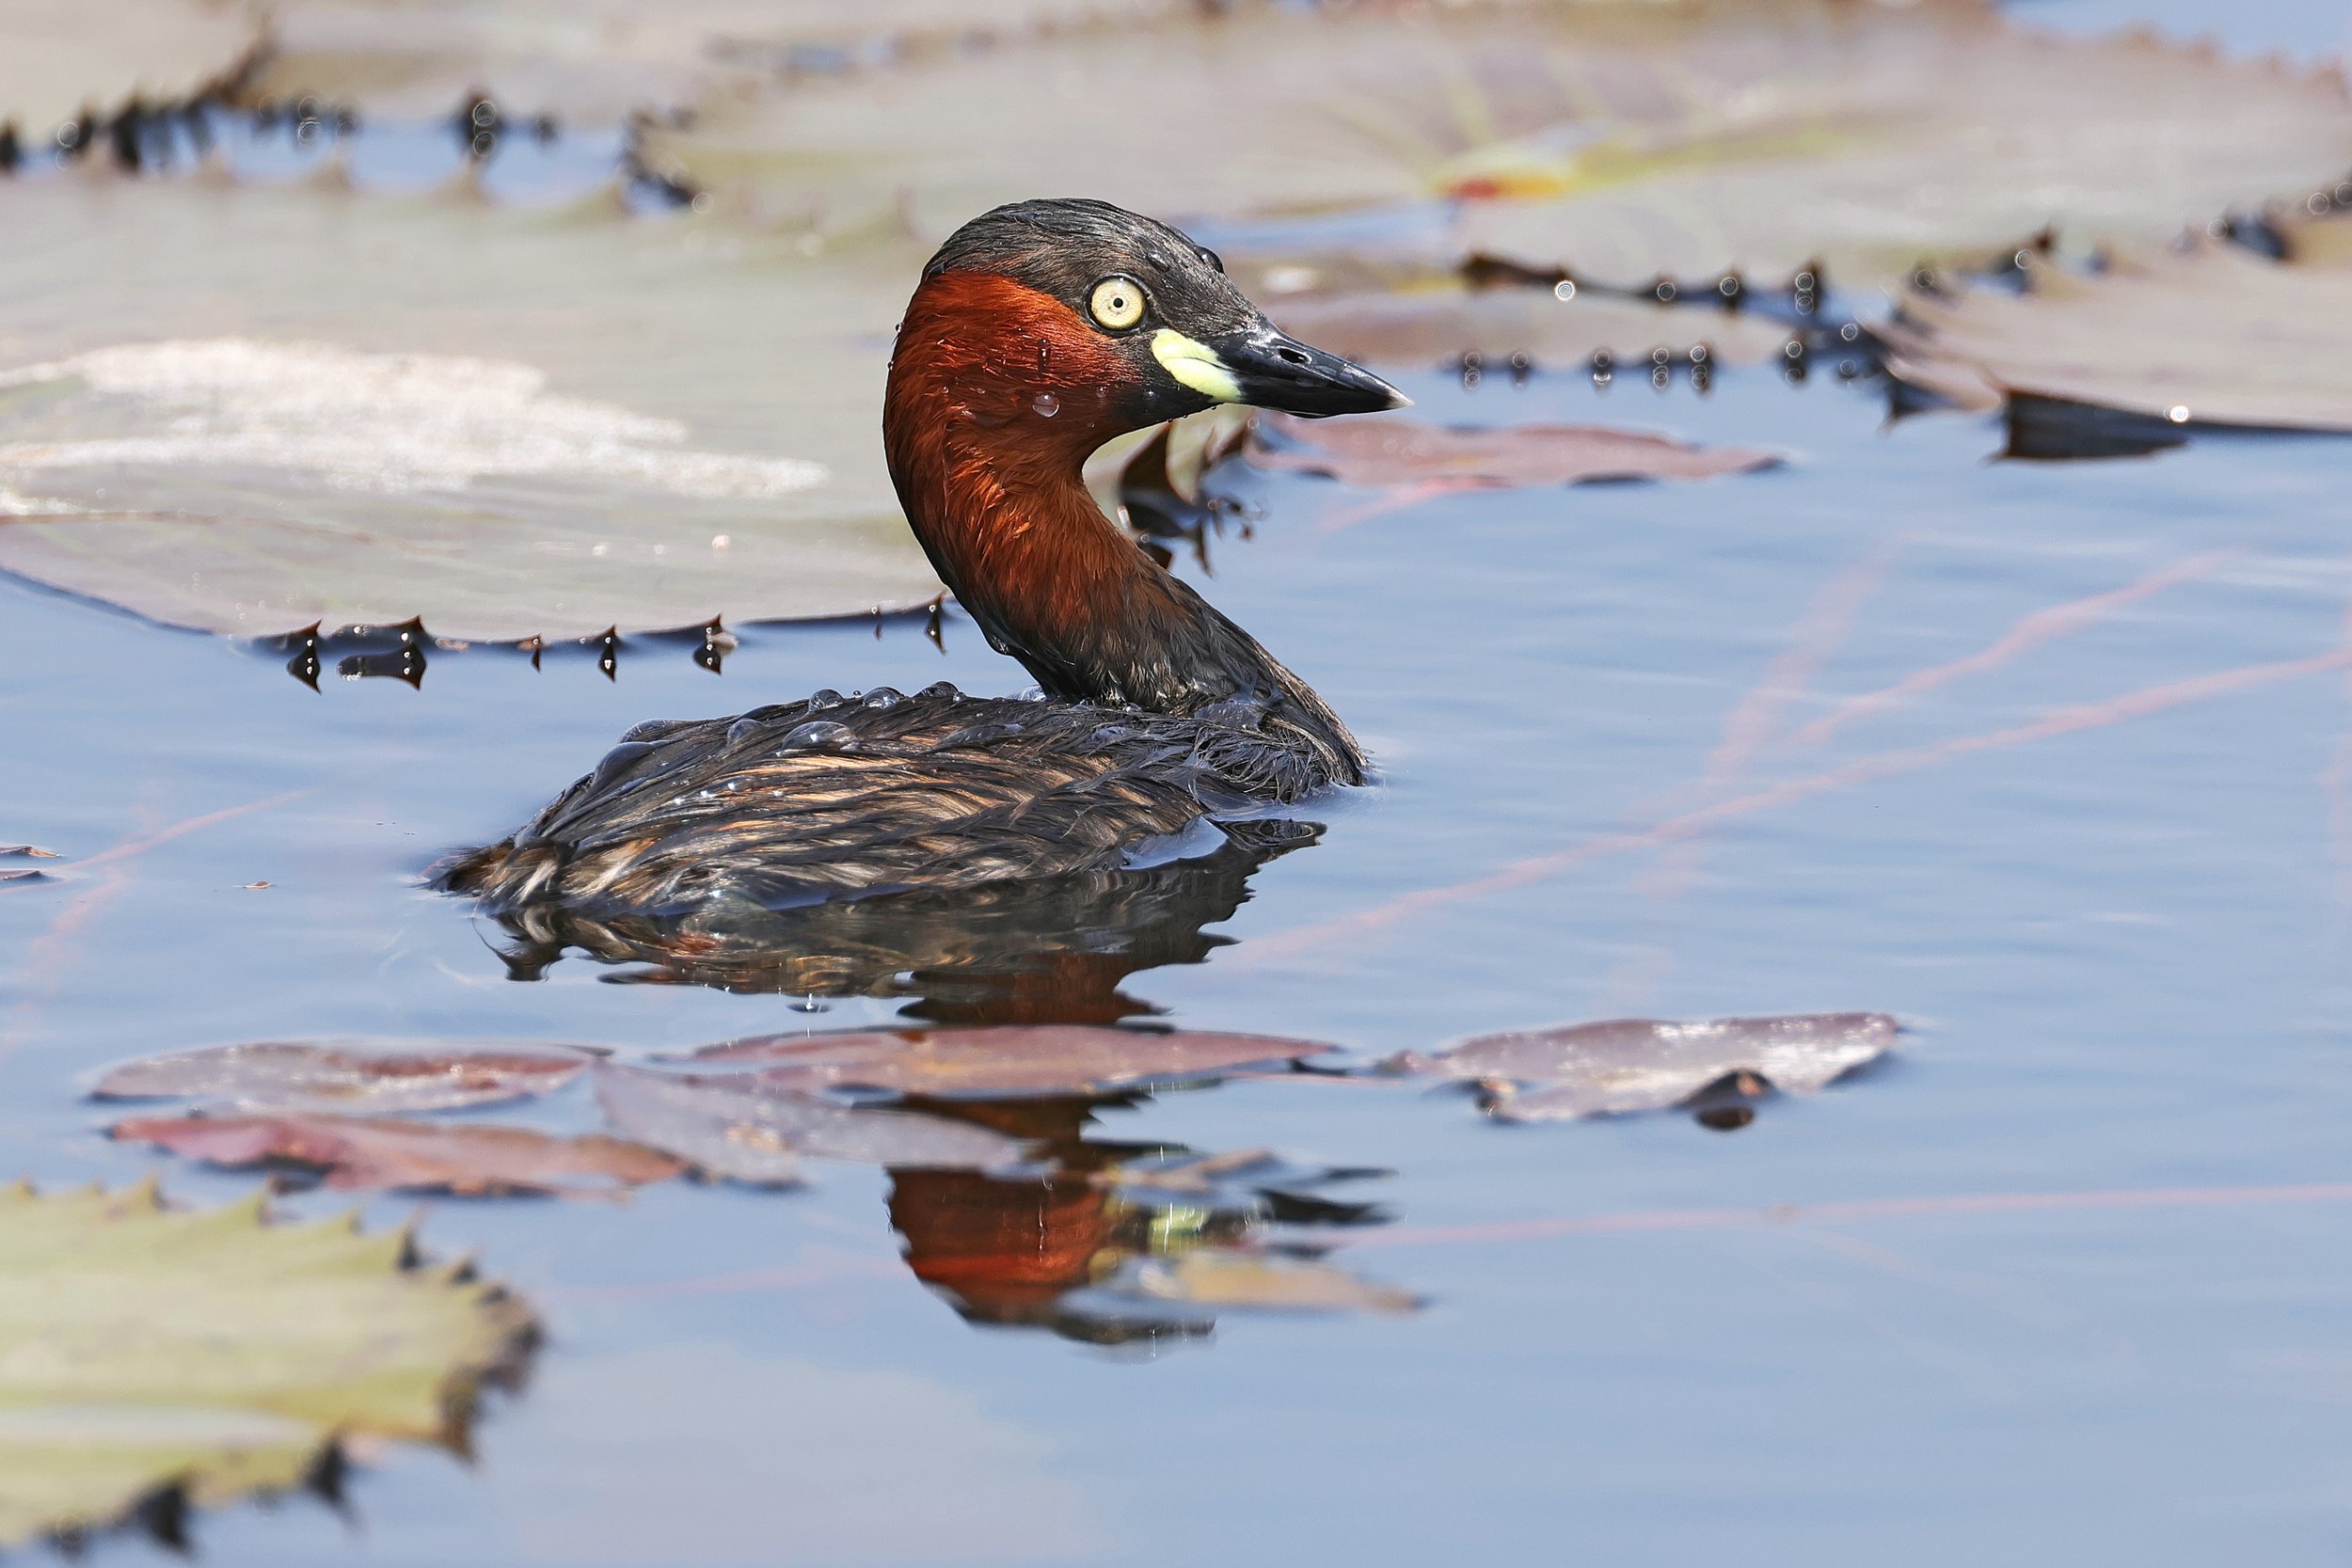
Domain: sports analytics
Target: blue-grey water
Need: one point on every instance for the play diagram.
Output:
(2118, 951)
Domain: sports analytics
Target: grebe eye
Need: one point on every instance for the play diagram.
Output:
(1117, 303)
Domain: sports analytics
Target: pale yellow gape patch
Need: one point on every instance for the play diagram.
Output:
(1195, 364)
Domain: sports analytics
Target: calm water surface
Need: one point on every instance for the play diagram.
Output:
(2118, 951)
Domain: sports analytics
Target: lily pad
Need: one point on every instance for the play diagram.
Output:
(1643, 1064)
(1618, 142)
(66, 58)
(1439, 322)
(209, 1356)
(2213, 336)
(360, 1154)
(1394, 450)
(510, 425)
(368, 1076)
(604, 59)
(1011, 1059)
(743, 1127)
(1235, 1277)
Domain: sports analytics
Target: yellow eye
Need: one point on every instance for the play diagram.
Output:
(1117, 303)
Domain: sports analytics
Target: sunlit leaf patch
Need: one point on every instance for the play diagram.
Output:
(509, 426)
(155, 1354)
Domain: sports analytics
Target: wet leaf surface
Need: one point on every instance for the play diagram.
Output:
(58, 64)
(1433, 324)
(510, 425)
(606, 58)
(26, 852)
(1618, 142)
(211, 1354)
(1005, 1060)
(1640, 1064)
(363, 1076)
(744, 1127)
(360, 1154)
(1233, 1277)
(1394, 450)
(2220, 336)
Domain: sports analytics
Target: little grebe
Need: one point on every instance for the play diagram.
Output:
(1038, 332)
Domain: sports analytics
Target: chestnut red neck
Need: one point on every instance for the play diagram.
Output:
(997, 395)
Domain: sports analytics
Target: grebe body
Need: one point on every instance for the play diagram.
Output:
(1038, 332)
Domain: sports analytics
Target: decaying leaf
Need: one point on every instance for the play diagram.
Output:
(1617, 141)
(2215, 336)
(1394, 451)
(740, 1127)
(364, 1076)
(26, 852)
(65, 59)
(603, 59)
(1010, 1059)
(510, 424)
(1235, 1277)
(145, 1350)
(1642, 1064)
(366, 1154)
(1163, 464)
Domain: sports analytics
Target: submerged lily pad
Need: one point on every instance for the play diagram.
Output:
(359, 1153)
(1010, 1059)
(2218, 335)
(1617, 141)
(1395, 451)
(65, 59)
(145, 1350)
(1644, 1064)
(287, 1076)
(1234, 1277)
(739, 1125)
(246, 410)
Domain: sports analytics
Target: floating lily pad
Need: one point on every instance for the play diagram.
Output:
(361, 1154)
(1642, 1064)
(1394, 450)
(2216, 336)
(1012, 1059)
(1618, 142)
(291, 1076)
(740, 1126)
(244, 410)
(606, 59)
(65, 59)
(1233, 1277)
(208, 1356)
(1426, 320)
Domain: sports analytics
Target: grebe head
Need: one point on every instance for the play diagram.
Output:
(1124, 317)
(1038, 332)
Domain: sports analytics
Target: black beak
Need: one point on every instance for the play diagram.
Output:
(1276, 370)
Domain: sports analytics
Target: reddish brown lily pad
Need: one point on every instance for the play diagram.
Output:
(738, 1126)
(1389, 451)
(1012, 1059)
(360, 1154)
(348, 1076)
(1645, 1064)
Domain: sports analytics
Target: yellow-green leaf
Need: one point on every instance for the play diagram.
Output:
(143, 1348)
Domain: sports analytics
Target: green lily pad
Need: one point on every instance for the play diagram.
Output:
(65, 59)
(2215, 336)
(247, 409)
(1617, 141)
(144, 1350)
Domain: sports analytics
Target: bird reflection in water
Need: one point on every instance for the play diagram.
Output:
(1106, 1242)
(1048, 950)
